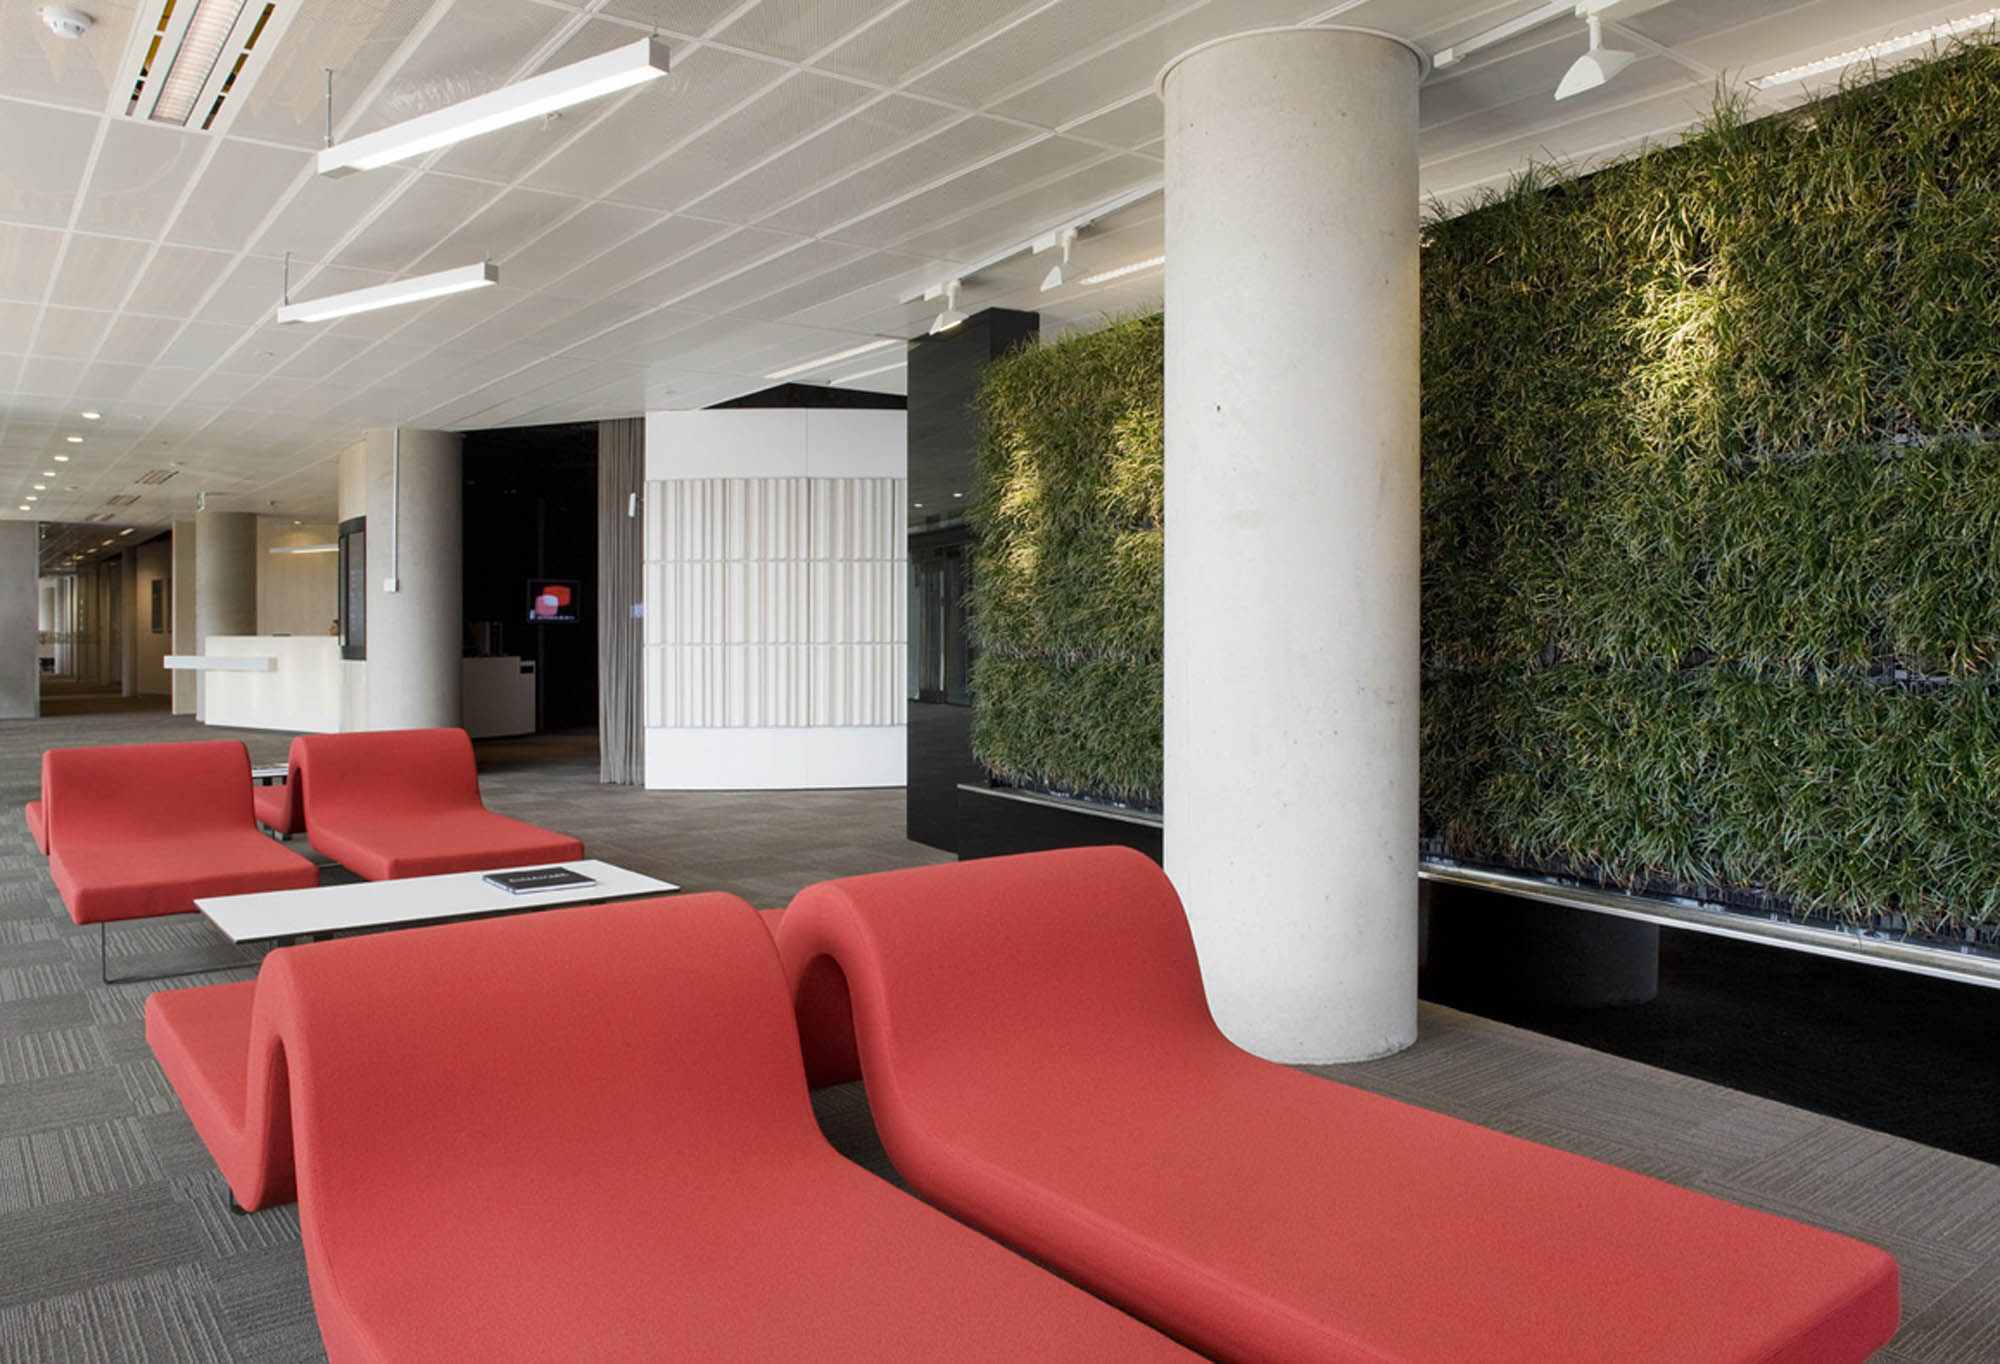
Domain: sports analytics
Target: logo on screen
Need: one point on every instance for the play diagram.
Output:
(552, 603)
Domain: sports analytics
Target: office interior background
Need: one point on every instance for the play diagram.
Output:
(1583, 616)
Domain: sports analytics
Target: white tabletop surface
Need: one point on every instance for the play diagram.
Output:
(276, 772)
(411, 900)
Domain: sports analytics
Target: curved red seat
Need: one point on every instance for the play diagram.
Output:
(38, 828)
(585, 1134)
(1041, 1062)
(405, 802)
(825, 1019)
(281, 807)
(146, 828)
(230, 1077)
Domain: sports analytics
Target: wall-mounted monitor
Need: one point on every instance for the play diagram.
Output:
(553, 601)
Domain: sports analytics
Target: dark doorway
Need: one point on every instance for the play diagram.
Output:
(531, 520)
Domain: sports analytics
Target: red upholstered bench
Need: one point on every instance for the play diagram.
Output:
(147, 828)
(1041, 1062)
(585, 1134)
(405, 802)
(38, 827)
(231, 1079)
(281, 807)
(232, 1083)
(825, 1019)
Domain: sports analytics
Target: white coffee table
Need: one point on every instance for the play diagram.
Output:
(412, 900)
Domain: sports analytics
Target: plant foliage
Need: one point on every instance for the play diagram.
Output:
(1711, 494)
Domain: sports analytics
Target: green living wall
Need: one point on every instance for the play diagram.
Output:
(1711, 518)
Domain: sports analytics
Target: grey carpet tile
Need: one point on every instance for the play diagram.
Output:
(116, 1243)
(169, 1317)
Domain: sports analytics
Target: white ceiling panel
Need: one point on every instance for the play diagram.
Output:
(967, 193)
(827, 157)
(924, 34)
(77, 73)
(1050, 39)
(177, 280)
(97, 271)
(641, 338)
(630, 261)
(718, 260)
(1139, 120)
(47, 150)
(825, 298)
(71, 333)
(793, 110)
(27, 258)
(798, 29)
(699, 90)
(136, 340)
(422, 209)
(809, 259)
(548, 263)
(904, 177)
(692, 18)
(241, 185)
(500, 229)
(476, 49)
(141, 173)
(323, 213)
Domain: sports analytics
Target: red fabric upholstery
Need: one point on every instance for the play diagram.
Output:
(281, 808)
(231, 1080)
(826, 1027)
(38, 828)
(148, 827)
(405, 802)
(584, 1135)
(1041, 1062)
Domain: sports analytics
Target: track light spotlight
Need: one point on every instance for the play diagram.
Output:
(1595, 67)
(951, 316)
(1054, 278)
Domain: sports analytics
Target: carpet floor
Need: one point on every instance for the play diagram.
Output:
(116, 1243)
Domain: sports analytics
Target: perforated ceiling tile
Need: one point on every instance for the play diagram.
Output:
(1016, 216)
(176, 281)
(27, 255)
(96, 271)
(724, 256)
(539, 264)
(417, 212)
(968, 192)
(691, 17)
(797, 29)
(476, 50)
(922, 34)
(826, 299)
(801, 105)
(241, 185)
(807, 260)
(46, 153)
(910, 176)
(825, 158)
(499, 230)
(1531, 117)
(610, 271)
(702, 87)
(323, 213)
(1023, 54)
(645, 337)
(287, 103)
(141, 172)
(1138, 121)
(70, 333)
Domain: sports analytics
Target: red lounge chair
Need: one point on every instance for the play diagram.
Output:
(38, 828)
(281, 807)
(585, 1134)
(232, 1083)
(1041, 1063)
(826, 1027)
(147, 828)
(405, 802)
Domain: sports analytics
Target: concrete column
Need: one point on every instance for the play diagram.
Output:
(132, 620)
(416, 609)
(185, 693)
(20, 609)
(1292, 522)
(225, 583)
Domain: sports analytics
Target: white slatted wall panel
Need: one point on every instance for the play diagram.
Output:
(777, 603)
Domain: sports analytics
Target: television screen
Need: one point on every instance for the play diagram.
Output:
(552, 601)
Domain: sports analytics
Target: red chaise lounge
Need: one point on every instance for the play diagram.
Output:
(231, 1079)
(585, 1134)
(405, 802)
(146, 828)
(1041, 1063)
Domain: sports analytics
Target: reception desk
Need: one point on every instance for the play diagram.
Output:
(296, 686)
(298, 683)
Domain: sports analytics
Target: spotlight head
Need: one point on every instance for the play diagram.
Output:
(1595, 67)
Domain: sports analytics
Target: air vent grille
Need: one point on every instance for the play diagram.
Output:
(191, 61)
(156, 476)
(121, 500)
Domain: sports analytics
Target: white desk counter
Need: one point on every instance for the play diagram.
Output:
(299, 691)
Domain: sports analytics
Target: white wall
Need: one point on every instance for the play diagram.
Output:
(775, 586)
(156, 564)
(185, 692)
(297, 594)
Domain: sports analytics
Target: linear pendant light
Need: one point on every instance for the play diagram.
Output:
(454, 281)
(618, 69)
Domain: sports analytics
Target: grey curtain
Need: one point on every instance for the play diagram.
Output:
(621, 472)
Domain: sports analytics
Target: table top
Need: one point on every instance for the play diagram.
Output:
(411, 900)
(275, 772)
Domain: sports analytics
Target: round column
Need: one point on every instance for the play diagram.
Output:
(225, 584)
(415, 606)
(1292, 533)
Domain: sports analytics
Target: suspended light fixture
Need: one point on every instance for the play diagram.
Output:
(1595, 67)
(1888, 47)
(604, 74)
(1121, 271)
(951, 316)
(390, 295)
(1054, 278)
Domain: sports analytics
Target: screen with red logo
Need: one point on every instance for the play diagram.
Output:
(552, 601)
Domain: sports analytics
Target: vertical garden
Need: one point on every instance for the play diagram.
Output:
(1711, 568)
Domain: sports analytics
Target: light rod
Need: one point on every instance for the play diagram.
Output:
(390, 295)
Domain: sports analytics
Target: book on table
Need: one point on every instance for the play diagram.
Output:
(529, 879)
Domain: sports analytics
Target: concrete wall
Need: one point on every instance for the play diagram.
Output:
(416, 604)
(297, 594)
(20, 684)
(156, 564)
(184, 690)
